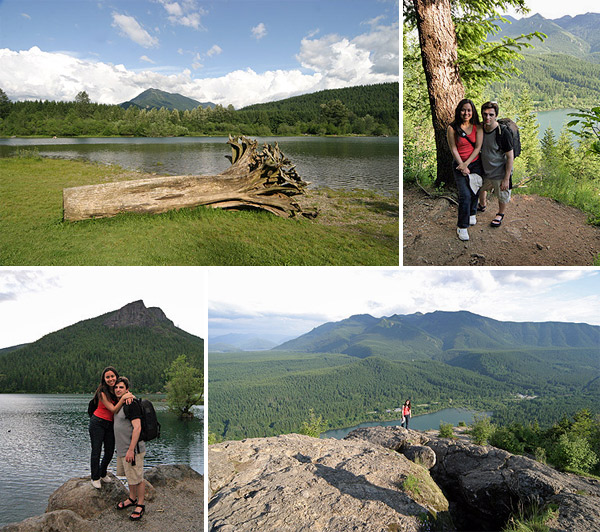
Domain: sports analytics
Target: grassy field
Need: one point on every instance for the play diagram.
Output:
(353, 228)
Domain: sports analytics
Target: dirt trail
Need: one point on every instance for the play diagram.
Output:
(536, 231)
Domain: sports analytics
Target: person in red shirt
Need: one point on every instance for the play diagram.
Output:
(465, 138)
(406, 414)
(101, 425)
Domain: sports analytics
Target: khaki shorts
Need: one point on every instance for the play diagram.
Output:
(494, 184)
(134, 474)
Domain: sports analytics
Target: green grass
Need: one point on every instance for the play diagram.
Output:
(362, 229)
(532, 520)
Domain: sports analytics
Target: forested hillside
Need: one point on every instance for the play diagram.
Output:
(72, 359)
(521, 371)
(363, 110)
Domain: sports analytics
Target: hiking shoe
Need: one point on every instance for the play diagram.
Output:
(106, 478)
(463, 234)
(96, 484)
(472, 220)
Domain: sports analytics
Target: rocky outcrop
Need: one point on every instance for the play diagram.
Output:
(136, 314)
(174, 501)
(485, 485)
(295, 482)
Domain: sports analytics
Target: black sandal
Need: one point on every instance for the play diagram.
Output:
(138, 515)
(122, 505)
(497, 223)
(481, 208)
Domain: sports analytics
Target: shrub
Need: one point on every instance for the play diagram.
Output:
(481, 429)
(574, 453)
(446, 430)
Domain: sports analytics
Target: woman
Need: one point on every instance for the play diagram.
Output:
(406, 414)
(465, 137)
(101, 425)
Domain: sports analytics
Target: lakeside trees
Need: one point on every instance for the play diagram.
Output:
(364, 110)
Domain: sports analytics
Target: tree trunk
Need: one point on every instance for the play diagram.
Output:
(437, 38)
(255, 180)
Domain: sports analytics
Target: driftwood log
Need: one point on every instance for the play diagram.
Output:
(263, 179)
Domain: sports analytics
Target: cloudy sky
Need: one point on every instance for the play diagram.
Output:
(295, 300)
(36, 302)
(559, 8)
(235, 52)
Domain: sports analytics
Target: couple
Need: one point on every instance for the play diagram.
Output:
(479, 152)
(117, 421)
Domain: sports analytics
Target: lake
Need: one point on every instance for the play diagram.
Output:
(423, 422)
(555, 119)
(370, 163)
(44, 441)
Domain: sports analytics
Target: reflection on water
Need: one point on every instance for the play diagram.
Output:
(357, 162)
(44, 441)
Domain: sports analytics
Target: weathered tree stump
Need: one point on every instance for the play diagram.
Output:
(263, 179)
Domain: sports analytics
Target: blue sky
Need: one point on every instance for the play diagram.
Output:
(559, 8)
(271, 303)
(35, 302)
(226, 51)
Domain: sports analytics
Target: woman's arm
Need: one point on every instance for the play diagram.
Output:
(115, 408)
(451, 136)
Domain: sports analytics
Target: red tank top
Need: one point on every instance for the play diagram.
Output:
(465, 148)
(103, 413)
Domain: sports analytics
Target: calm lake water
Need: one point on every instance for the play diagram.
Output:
(424, 422)
(556, 120)
(44, 441)
(339, 163)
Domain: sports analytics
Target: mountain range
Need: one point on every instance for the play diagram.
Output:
(438, 335)
(156, 99)
(140, 342)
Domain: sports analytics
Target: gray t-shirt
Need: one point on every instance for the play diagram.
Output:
(123, 428)
(493, 153)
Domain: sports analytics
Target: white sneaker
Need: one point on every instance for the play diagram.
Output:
(463, 234)
(106, 478)
(96, 484)
(472, 220)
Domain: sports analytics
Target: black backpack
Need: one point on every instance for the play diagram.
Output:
(513, 129)
(150, 424)
(92, 405)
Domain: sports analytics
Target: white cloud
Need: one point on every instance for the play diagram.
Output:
(25, 15)
(214, 50)
(258, 32)
(186, 13)
(131, 28)
(147, 59)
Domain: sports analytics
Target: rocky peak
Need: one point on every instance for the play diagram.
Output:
(136, 314)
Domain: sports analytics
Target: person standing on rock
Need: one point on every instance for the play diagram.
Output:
(497, 157)
(130, 451)
(465, 137)
(406, 414)
(101, 425)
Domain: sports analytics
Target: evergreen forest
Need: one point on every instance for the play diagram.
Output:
(71, 360)
(364, 110)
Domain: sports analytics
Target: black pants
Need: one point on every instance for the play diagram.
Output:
(101, 433)
(467, 201)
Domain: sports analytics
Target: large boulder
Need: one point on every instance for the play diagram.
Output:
(164, 475)
(489, 485)
(410, 443)
(58, 521)
(295, 482)
(78, 495)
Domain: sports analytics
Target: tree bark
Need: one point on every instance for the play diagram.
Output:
(256, 179)
(437, 38)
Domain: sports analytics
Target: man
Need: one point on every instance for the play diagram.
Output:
(497, 157)
(130, 451)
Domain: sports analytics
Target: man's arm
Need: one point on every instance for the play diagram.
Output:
(135, 436)
(510, 159)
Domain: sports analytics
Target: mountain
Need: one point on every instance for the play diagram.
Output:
(140, 342)
(435, 334)
(243, 342)
(155, 99)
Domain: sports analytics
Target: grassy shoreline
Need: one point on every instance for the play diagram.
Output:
(353, 228)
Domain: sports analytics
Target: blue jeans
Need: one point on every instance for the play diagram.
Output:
(101, 433)
(467, 201)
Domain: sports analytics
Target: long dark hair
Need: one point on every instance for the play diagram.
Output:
(104, 388)
(474, 117)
